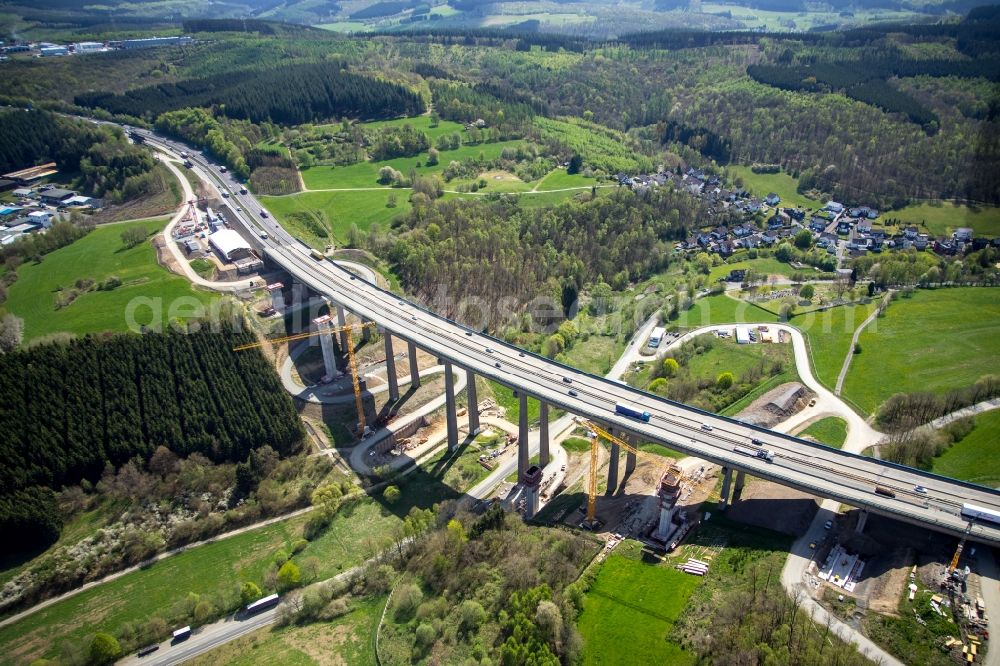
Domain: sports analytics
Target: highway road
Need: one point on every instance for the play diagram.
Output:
(830, 473)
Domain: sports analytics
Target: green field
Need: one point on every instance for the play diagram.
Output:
(558, 179)
(365, 174)
(831, 431)
(764, 265)
(349, 639)
(728, 356)
(340, 209)
(762, 184)
(976, 457)
(829, 335)
(934, 341)
(145, 286)
(722, 309)
(595, 355)
(505, 398)
(942, 218)
(630, 610)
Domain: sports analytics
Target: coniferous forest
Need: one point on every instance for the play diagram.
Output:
(71, 410)
(291, 94)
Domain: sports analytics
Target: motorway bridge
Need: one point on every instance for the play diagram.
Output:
(813, 468)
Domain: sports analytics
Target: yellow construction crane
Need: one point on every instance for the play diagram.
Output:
(958, 551)
(600, 432)
(351, 360)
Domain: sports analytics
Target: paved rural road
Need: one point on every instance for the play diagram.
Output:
(854, 342)
(211, 636)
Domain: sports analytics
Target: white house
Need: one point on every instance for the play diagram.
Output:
(42, 217)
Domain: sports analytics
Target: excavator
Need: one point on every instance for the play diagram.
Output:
(351, 360)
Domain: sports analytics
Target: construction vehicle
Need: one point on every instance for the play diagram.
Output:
(599, 433)
(351, 360)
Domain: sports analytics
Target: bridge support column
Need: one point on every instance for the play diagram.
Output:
(862, 521)
(543, 435)
(414, 368)
(727, 480)
(390, 367)
(341, 323)
(470, 389)
(326, 346)
(523, 451)
(613, 470)
(366, 331)
(741, 478)
(450, 416)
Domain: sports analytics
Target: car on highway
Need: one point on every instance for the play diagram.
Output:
(263, 213)
(489, 350)
(756, 442)
(706, 427)
(573, 393)
(225, 195)
(263, 235)
(497, 364)
(920, 489)
(469, 333)
(567, 380)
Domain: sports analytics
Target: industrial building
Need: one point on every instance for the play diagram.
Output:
(230, 245)
(47, 51)
(148, 42)
(88, 47)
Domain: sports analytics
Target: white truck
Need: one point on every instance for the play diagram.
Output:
(763, 454)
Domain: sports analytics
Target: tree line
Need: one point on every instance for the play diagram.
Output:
(109, 166)
(70, 410)
(287, 94)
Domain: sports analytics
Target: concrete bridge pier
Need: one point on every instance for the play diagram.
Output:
(630, 458)
(414, 368)
(341, 323)
(523, 451)
(862, 521)
(543, 435)
(741, 478)
(390, 367)
(470, 389)
(727, 480)
(366, 331)
(613, 469)
(450, 416)
(326, 346)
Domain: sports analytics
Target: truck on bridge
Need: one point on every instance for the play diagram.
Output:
(628, 410)
(764, 454)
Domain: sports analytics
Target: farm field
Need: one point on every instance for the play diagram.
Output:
(829, 335)
(98, 256)
(942, 218)
(933, 341)
(349, 636)
(630, 610)
(976, 457)
(831, 431)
